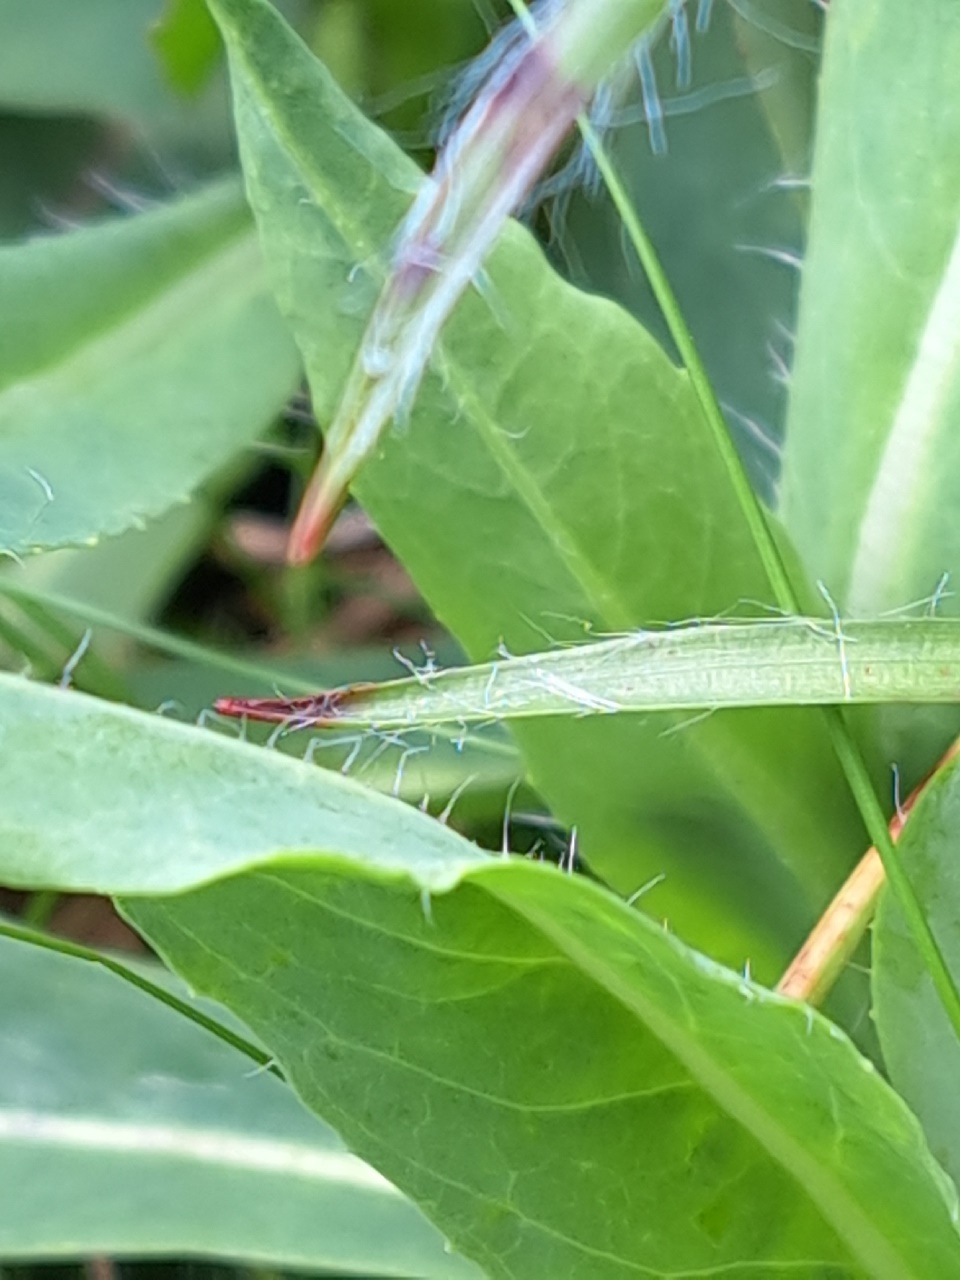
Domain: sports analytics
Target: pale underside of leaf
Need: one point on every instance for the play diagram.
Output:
(387, 964)
(901, 486)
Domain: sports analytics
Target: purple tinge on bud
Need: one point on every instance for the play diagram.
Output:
(521, 113)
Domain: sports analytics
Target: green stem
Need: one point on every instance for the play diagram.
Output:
(154, 637)
(33, 938)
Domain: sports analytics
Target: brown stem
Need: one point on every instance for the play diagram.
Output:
(834, 938)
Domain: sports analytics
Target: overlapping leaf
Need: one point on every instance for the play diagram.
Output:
(557, 460)
(657, 1113)
(919, 1046)
(138, 356)
(127, 1131)
(871, 465)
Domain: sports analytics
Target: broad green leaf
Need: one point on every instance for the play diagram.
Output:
(872, 454)
(919, 1046)
(657, 1113)
(188, 779)
(554, 473)
(93, 57)
(187, 42)
(126, 1130)
(436, 766)
(138, 356)
(796, 662)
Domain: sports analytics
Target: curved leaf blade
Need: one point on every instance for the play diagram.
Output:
(389, 964)
(152, 1138)
(169, 776)
(146, 353)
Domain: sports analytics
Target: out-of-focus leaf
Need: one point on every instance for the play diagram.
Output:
(128, 576)
(873, 450)
(560, 1084)
(786, 36)
(145, 353)
(559, 461)
(92, 57)
(128, 1131)
(920, 1048)
(44, 163)
(187, 42)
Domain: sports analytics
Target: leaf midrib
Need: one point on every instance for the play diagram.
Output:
(838, 1208)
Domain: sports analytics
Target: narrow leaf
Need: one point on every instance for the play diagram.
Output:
(872, 454)
(799, 662)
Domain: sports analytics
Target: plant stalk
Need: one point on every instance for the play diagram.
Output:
(542, 75)
(837, 934)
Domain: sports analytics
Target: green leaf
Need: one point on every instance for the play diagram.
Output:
(920, 1047)
(145, 354)
(657, 1112)
(126, 1130)
(93, 57)
(873, 451)
(559, 461)
(187, 42)
(181, 785)
(795, 662)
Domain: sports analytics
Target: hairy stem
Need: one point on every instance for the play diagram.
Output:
(542, 75)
